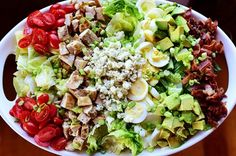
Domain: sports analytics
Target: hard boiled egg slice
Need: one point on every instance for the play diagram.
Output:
(144, 47)
(136, 114)
(138, 90)
(145, 5)
(157, 58)
(155, 13)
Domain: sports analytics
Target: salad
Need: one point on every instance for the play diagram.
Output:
(117, 75)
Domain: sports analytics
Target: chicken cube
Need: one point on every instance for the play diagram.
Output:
(68, 101)
(84, 131)
(78, 92)
(99, 14)
(68, 59)
(62, 49)
(63, 33)
(83, 118)
(79, 142)
(75, 47)
(88, 37)
(84, 101)
(79, 63)
(75, 80)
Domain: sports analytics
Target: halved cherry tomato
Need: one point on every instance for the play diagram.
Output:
(29, 103)
(32, 117)
(69, 8)
(59, 143)
(53, 110)
(53, 32)
(38, 22)
(31, 17)
(24, 116)
(43, 124)
(49, 19)
(40, 143)
(58, 121)
(43, 98)
(20, 100)
(59, 13)
(60, 22)
(54, 41)
(25, 41)
(59, 131)
(47, 134)
(16, 110)
(55, 7)
(43, 115)
(39, 37)
(41, 49)
(30, 128)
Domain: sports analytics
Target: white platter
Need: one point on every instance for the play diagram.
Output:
(7, 46)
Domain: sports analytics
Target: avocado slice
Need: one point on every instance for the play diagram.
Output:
(160, 110)
(174, 142)
(171, 123)
(163, 134)
(178, 10)
(180, 21)
(196, 108)
(165, 44)
(188, 116)
(172, 101)
(175, 35)
(199, 125)
(170, 19)
(162, 143)
(182, 132)
(162, 23)
(169, 9)
(187, 102)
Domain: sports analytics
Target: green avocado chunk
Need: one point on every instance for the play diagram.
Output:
(175, 35)
(162, 23)
(187, 102)
(165, 44)
(180, 21)
(199, 125)
(172, 101)
(188, 117)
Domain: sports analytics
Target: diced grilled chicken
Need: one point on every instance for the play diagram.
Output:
(84, 101)
(98, 100)
(75, 80)
(75, 47)
(68, 19)
(79, 142)
(68, 101)
(71, 115)
(80, 63)
(62, 49)
(78, 92)
(88, 37)
(99, 14)
(83, 118)
(66, 129)
(84, 25)
(89, 12)
(92, 92)
(75, 130)
(90, 111)
(68, 59)
(84, 131)
(75, 25)
(63, 33)
(69, 146)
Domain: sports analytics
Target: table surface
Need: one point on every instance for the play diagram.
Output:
(221, 142)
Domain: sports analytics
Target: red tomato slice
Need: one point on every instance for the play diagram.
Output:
(46, 134)
(39, 37)
(59, 13)
(41, 49)
(25, 41)
(38, 22)
(43, 115)
(16, 110)
(69, 8)
(43, 144)
(59, 144)
(44, 124)
(54, 41)
(49, 19)
(30, 18)
(43, 98)
(60, 22)
(58, 121)
(24, 116)
(30, 128)
(55, 7)
(53, 110)
(29, 103)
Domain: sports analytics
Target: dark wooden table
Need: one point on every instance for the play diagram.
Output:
(222, 142)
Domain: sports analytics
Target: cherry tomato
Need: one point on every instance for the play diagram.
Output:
(53, 110)
(43, 115)
(16, 110)
(30, 18)
(49, 19)
(59, 131)
(60, 22)
(55, 7)
(69, 8)
(47, 134)
(25, 41)
(39, 37)
(40, 143)
(58, 121)
(43, 98)
(41, 49)
(59, 143)
(54, 41)
(38, 22)
(59, 13)
(24, 116)
(32, 117)
(30, 128)
(29, 103)
(43, 124)
(27, 30)
(53, 32)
